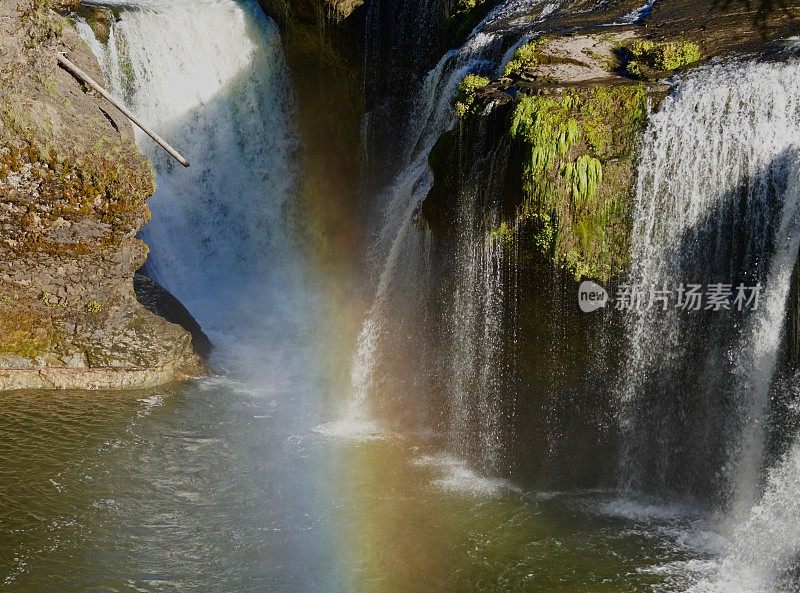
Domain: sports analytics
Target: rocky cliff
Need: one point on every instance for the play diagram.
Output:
(565, 117)
(572, 103)
(533, 191)
(73, 191)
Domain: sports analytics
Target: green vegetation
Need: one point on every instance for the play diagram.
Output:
(577, 175)
(93, 307)
(107, 182)
(99, 20)
(26, 332)
(660, 56)
(52, 301)
(526, 56)
(504, 233)
(465, 98)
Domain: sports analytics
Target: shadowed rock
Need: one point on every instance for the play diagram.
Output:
(161, 302)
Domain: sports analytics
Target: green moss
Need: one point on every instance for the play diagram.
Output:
(527, 56)
(465, 98)
(610, 63)
(93, 307)
(660, 56)
(26, 332)
(41, 23)
(577, 174)
(47, 83)
(127, 73)
(52, 301)
(503, 233)
(109, 183)
(99, 20)
(17, 118)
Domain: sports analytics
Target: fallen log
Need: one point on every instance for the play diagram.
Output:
(72, 68)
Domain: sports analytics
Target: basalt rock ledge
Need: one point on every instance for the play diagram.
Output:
(73, 191)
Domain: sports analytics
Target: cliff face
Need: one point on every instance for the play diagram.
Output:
(572, 104)
(73, 191)
(323, 41)
(542, 162)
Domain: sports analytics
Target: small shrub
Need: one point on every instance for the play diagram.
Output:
(527, 56)
(465, 98)
(661, 56)
(93, 307)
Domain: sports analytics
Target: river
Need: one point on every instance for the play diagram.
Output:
(273, 474)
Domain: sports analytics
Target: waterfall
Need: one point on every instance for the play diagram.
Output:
(718, 201)
(477, 331)
(765, 544)
(402, 37)
(217, 237)
(399, 231)
(401, 235)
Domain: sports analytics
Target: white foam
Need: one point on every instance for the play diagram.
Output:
(457, 477)
(638, 15)
(650, 511)
(682, 568)
(767, 543)
(354, 430)
(695, 537)
(149, 404)
(228, 384)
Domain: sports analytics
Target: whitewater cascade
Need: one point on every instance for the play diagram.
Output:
(217, 237)
(478, 324)
(403, 245)
(718, 201)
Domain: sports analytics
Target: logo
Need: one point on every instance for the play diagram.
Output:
(641, 298)
(591, 296)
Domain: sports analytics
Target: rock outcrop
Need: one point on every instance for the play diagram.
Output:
(161, 302)
(542, 164)
(572, 103)
(73, 191)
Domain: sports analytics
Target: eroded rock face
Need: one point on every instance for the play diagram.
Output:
(572, 104)
(311, 10)
(163, 303)
(73, 191)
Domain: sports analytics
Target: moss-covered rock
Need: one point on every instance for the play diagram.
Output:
(652, 59)
(578, 174)
(466, 15)
(73, 196)
(526, 56)
(467, 89)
